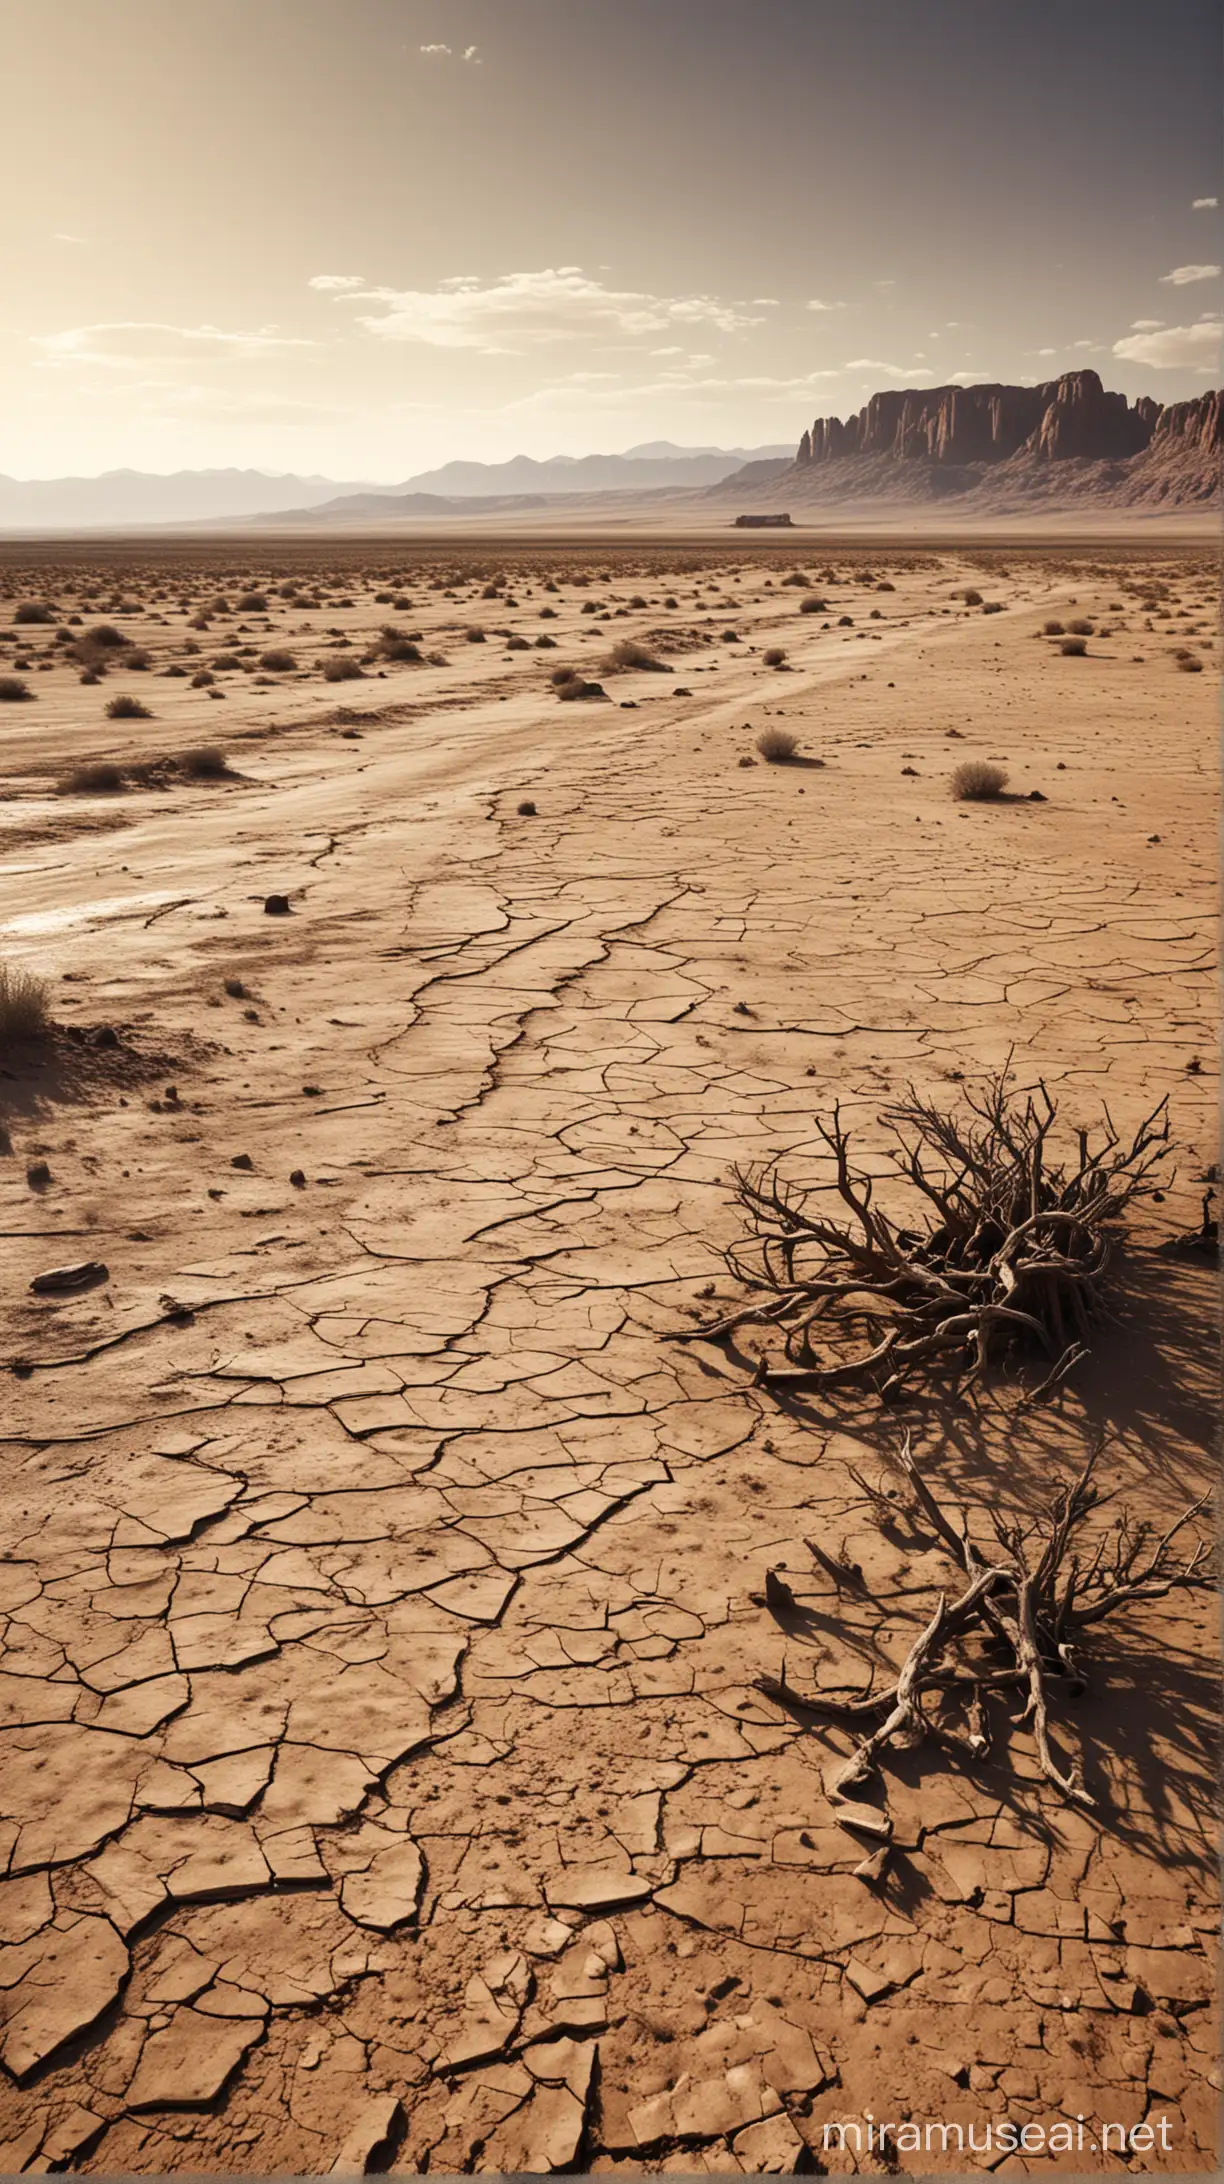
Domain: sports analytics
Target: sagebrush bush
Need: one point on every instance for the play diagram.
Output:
(338, 669)
(813, 604)
(127, 708)
(1051, 629)
(13, 691)
(774, 656)
(977, 781)
(278, 661)
(33, 610)
(1073, 648)
(253, 602)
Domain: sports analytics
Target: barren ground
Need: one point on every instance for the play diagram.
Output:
(383, 1776)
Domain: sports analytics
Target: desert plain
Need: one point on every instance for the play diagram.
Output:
(385, 1776)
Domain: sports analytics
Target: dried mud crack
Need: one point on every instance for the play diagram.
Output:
(385, 1779)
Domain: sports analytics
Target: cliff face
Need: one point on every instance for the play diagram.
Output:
(956, 437)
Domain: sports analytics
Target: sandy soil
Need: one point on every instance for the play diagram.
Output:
(384, 1779)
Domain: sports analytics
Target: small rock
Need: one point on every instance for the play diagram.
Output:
(242, 1160)
(104, 1035)
(298, 1179)
(61, 1281)
(276, 906)
(526, 810)
(1036, 796)
(38, 1175)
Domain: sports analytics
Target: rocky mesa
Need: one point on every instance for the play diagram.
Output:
(998, 447)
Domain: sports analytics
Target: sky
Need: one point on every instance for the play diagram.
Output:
(362, 237)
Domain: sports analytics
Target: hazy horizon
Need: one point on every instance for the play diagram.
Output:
(362, 244)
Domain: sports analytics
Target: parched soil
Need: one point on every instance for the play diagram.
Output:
(384, 1775)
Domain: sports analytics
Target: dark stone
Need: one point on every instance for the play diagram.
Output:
(276, 906)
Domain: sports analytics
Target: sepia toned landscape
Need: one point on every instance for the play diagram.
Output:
(427, 1598)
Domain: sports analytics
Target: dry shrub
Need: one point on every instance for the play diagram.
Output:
(577, 686)
(253, 602)
(1190, 666)
(278, 661)
(127, 708)
(24, 1006)
(200, 680)
(1073, 648)
(1051, 629)
(394, 645)
(205, 762)
(33, 610)
(104, 637)
(777, 745)
(627, 653)
(971, 597)
(338, 669)
(813, 604)
(977, 781)
(13, 691)
(1080, 628)
(96, 777)
(774, 656)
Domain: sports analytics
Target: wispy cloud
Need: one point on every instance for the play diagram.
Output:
(1174, 348)
(890, 371)
(140, 344)
(1183, 275)
(522, 311)
(336, 284)
(1204, 204)
(470, 53)
(1146, 325)
(818, 303)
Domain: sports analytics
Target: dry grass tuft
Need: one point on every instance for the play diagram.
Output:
(127, 708)
(206, 762)
(94, 777)
(13, 690)
(24, 1006)
(1073, 648)
(977, 781)
(774, 656)
(338, 669)
(627, 653)
(278, 661)
(777, 745)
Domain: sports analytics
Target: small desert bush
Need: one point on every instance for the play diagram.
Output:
(774, 656)
(127, 708)
(24, 1006)
(577, 686)
(253, 602)
(627, 653)
(475, 635)
(1073, 648)
(813, 604)
(971, 597)
(104, 637)
(200, 680)
(777, 745)
(1051, 629)
(1190, 665)
(798, 579)
(337, 669)
(1080, 628)
(13, 691)
(33, 610)
(394, 645)
(278, 661)
(976, 781)
(95, 777)
(207, 762)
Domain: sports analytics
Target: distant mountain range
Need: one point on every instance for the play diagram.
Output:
(1067, 446)
(122, 498)
(135, 499)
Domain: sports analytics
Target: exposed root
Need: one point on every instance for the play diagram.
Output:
(1016, 1627)
(1009, 1261)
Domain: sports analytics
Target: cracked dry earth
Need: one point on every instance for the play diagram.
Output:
(382, 1774)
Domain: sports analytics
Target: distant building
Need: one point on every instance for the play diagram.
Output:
(762, 523)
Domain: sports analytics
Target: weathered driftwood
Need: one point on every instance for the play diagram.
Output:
(1016, 1627)
(1009, 1258)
